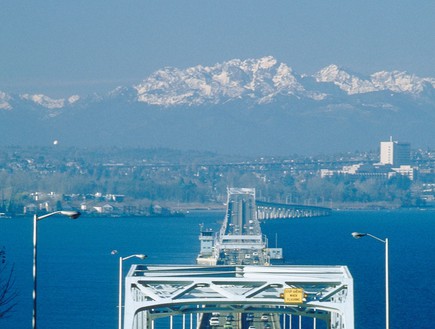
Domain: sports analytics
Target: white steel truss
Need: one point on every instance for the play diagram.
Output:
(156, 291)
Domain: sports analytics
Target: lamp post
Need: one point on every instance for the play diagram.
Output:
(36, 218)
(121, 259)
(358, 235)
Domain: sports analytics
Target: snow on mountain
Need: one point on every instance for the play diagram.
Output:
(44, 101)
(74, 98)
(48, 102)
(253, 81)
(394, 81)
(256, 79)
(351, 84)
(260, 81)
(4, 101)
(400, 82)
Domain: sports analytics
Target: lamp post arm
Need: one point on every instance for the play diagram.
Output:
(47, 215)
(376, 238)
(128, 257)
(71, 214)
(140, 256)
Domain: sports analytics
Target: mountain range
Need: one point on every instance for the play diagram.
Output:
(252, 107)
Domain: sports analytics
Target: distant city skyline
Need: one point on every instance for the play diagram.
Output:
(65, 48)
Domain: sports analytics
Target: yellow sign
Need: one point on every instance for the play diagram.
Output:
(293, 295)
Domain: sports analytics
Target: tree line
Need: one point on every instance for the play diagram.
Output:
(191, 181)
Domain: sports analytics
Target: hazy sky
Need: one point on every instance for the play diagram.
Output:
(64, 47)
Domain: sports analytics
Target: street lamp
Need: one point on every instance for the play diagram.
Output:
(358, 235)
(121, 259)
(70, 214)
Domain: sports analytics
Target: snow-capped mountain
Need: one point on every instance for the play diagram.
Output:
(6, 101)
(395, 81)
(259, 80)
(256, 81)
(259, 105)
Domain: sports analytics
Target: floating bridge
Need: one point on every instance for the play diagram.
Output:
(234, 284)
(270, 210)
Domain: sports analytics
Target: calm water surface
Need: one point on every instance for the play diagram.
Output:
(78, 275)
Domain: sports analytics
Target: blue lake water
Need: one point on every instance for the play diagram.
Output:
(78, 275)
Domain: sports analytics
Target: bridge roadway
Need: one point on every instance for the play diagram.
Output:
(230, 320)
(235, 287)
(241, 242)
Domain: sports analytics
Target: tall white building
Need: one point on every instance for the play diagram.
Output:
(395, 153)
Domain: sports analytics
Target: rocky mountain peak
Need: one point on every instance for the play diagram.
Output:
(397, 81)
(347, 82)
(255, 79)
(394, 81)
